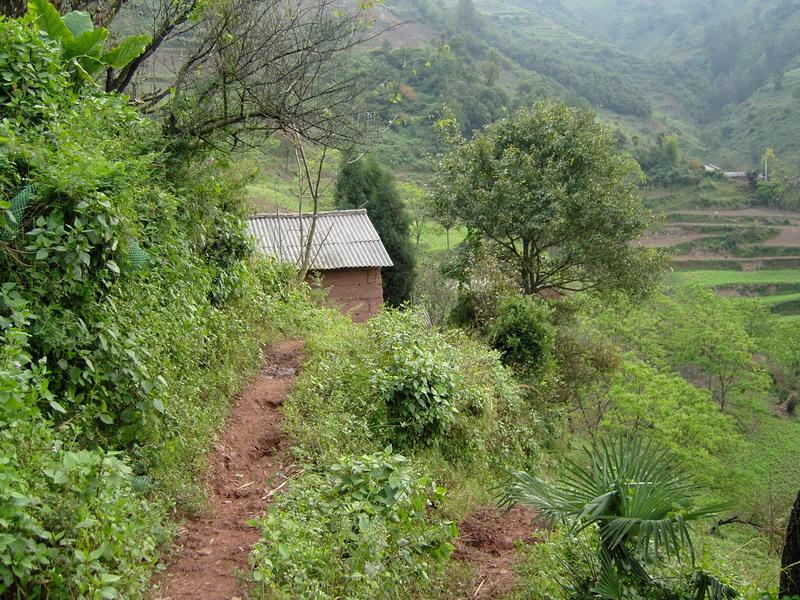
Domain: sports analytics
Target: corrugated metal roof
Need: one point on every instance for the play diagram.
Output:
(343, 239)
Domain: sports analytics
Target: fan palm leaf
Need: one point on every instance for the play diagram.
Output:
(635, 492)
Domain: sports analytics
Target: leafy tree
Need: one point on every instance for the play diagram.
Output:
(638, 499)
(693, 330)
(366, 184)
(669, 147)
(491, 67)
(466, 16)
(707, 333)
(548, 189)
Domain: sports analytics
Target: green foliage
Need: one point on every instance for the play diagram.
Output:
(83, 46)
(416, 380)
(663, 163)
(524, 184)
(638, 499)
(33, 83)
(700, 334)
(345, 400)
(522, 333)
(679, 416)
(368, 527)
(72, 523)
(116, 370)
(366, 184)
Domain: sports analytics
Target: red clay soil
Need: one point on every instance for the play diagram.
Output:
(247, 464)
(488, 540)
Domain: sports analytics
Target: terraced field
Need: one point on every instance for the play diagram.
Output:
(717, 237)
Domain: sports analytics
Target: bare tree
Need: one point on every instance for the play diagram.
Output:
(241, 69)
(310, 182)
(254, 67)
(12, 8)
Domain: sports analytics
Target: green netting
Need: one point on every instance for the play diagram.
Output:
(137, 256)
(18, 205)
(141, 483)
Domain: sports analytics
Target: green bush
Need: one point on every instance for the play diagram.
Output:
(522, 333)
(72, 523)
(355, 393)
(34, 83)
(416, 380)
(367, 528)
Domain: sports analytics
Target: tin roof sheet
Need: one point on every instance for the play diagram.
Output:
(343, 239)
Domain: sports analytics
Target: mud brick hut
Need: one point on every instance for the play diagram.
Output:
(346, 254)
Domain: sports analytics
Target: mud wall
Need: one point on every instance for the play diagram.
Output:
(356, 292)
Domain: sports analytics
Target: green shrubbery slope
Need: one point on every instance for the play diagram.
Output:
(362, 521)
(128, 316)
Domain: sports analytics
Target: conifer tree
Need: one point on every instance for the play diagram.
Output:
(366, 184)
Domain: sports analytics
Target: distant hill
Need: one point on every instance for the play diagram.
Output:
(723, 76)
(719, 74)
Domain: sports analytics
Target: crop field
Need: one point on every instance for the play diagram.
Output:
(719, 238)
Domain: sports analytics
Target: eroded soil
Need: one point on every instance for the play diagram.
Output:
(489, 539)
(249, 462)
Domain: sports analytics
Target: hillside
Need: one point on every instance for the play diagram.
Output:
(719, 76)
(545, 353)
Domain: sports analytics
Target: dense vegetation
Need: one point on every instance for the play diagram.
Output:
(129, 315)
(534, 353)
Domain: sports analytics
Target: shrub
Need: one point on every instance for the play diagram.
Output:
(416, 380)
(366, 528)
(72, 523)
(522, 333)
(35, 83)
(355, 391)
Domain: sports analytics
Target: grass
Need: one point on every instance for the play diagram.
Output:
(776, 298)
(783, 303)
(275, 186)
(434, 239)
(714, 278)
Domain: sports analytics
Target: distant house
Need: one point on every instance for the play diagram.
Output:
(346, 254)
(736, 174)
(712, 168)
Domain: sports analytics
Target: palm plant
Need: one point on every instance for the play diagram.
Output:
(637, 496)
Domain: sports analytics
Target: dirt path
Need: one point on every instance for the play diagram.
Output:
(249, 461)
(488, 540)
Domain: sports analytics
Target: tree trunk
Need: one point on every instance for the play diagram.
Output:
(790, 560)
(13, 8)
